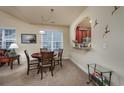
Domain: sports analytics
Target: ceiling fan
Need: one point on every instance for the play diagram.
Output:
(48, 19)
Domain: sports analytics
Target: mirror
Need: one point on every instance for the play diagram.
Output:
(83, 34)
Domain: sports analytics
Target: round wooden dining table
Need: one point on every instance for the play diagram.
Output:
(38, 55)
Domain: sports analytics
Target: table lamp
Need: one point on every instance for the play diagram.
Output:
(12, 48)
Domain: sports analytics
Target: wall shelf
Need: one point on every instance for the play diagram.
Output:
(83, 48)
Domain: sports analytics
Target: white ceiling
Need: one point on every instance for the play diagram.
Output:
(85, 22)
(62, 15)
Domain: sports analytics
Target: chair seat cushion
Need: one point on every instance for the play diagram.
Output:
(46, 65)
(34, 62)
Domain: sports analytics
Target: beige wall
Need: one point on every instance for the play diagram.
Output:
(112, 56)
(7, 21)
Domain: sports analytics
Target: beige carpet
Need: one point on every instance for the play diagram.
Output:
(69, 75)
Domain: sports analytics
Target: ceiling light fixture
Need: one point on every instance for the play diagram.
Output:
(42, 32)
(48, 19)
(90, 21)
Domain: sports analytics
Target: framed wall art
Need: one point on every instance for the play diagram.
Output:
(28, 38)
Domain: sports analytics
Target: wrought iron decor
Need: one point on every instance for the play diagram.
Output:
(96, 23)
(106, 30)
(115, 9)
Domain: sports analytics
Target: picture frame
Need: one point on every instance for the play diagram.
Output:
(28, 38)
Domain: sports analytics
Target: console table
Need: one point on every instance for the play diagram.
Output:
(99, 75)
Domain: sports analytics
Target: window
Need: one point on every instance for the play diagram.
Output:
(7, 36)
(52, 40)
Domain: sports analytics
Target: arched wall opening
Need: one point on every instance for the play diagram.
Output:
(83, 33)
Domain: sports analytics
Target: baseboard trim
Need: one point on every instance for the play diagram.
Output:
(65, 58)
(74, 61)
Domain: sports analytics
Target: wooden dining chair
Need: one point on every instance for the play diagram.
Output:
(46, 62)
(58, 58)
(31, 64)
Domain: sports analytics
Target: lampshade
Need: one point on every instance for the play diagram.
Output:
(42, 32)
(90, 21)
(13, 46)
